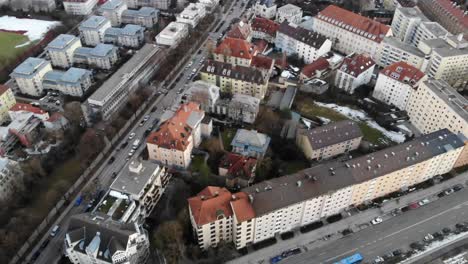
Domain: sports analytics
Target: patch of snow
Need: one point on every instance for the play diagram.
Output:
(23, 45)
(324, 120)
(286, 74)
(359, 115)
(295, 69)
(267, 52)
(35, 29)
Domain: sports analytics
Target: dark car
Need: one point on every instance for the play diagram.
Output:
(123, 145)
(417, 245)
(446, 230)
(154, 109)
(112, 159)
(44, 244)
(35, 256)
(397, 252)
(457, 187)
(291, 252)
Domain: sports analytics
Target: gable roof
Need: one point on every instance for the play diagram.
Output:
(238, 165)
(403, 72)
(354, 23)
(236, 47)
(265, 25)
(246, 74)
(319, 64)
(207, 205)
(262, 62)
(356, 64)
(27, 108)
(240, 30)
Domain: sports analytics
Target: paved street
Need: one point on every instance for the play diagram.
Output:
(52, 253)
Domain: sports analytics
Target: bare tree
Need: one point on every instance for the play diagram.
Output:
(90, 144)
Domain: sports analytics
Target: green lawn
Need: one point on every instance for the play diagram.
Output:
(8, 52)
(227, 135)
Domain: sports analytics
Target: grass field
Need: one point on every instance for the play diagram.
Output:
(8, 42)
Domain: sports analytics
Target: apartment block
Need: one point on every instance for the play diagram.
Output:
(255, 213)
(113, 10)
(235, 79)
(32, 5)
(130, 36)
(73, 82)
(436, 105)
(240, 30)
(350, 32)
(448, 13)
(203, 93)
(61, 49)
(355, 71)
(192, 14)
(172, 34)
(79, 7)
(243, 108)
(172, 144)
(29, 75)
(265, 9)
(265, 29)
(290, 13)
(159, 4)
(92, 30)
(329, 140)
(392, 50)
(7, 101)
(396, 83)
(235, 51)
(97, 238)
(307, 44)
(10, 177)
(448, 59)
(145, 16)
(103, 56)
(250, 143)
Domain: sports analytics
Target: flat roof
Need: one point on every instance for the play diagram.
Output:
(284, 191)
(30, 66)
(450, 96)
(72, 75)
(443, 48)
(393, 41)
(173, 29)
(94, 22)
(62, 41)
(413, 12)
(112, 4)
(435, 28)
(133, 178)
(142, 12)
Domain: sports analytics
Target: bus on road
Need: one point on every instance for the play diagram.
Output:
(354, 259)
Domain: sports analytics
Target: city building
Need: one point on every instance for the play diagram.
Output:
(7, 101)
(92, 30)
(235, 51)
(31, 5)
(265, 8)
(393, 50)
(73, 82)
(308, 45)
(203, 93)
(113, 10)
(240, 30)
(103, 56)
(135, 192)
(267, 209)
(61, 49)
(329, 140)
(265, 29)
(97, 238)
(112, 95)
(79, 7)
(10, 177)
(192, 14)
(448, 59)
(290, 13)
(130, 36)
(243, 108)
(172, 34)
(396, 83)
(250, 143)
(172, 143)
(316, 69)
(159, 4)
(29, 75)
(235, 79)
(350, 32)
(449, 14)
(145, 16)
(411, 26)
(355, 71)
(436, 105)
(238, 170)
(210, 5)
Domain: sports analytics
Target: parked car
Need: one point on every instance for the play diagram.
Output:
(35, 256)
(424, 202)
(132, 135)
(428, 238)
(449, 191)
(291, 252)
(417, 245)
(111, 160)
(457, 187)
(276, 259)
(54, 230)
(397, 252)
(154, 109)
(446, 230)
(124, 145)
(376, 221)
(414, 206)
(146, 117)
(379, 259)
(114, 175)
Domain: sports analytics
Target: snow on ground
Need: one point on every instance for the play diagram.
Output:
(286, 74)
(324, 120)
(359, 115)
(35, 28)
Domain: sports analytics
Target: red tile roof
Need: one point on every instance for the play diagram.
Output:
(320, 64)
(236, 48)
(209, 204)
(3, 89)
(454, 10)
(240, 30)
(356, 64)
(175, 133)
(262, 62)
(265, 25)
(344, 18)
(238, 165)
(27, 108)
(242, 207)
(403, 72)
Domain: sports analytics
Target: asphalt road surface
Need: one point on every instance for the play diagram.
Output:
(395, 233)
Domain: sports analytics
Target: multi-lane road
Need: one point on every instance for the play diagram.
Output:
(168, 100)
(395, 233)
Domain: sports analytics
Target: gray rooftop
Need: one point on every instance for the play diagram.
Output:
(131, 29)
(102, 50)
(142, 12)
(251, 138)
(134, 178)
(303, 35)
(332, 133)
(111, 5)
(250, 103)
(288, 98)
(238, 72)
(124, 72)
(99, 232)
(328, 177)
(413, 12)
(72, 75)
(393, 41)
(30, 66)
(445, 49)
(94, 22)
(450, 96)
(62, 41)
(435, 28)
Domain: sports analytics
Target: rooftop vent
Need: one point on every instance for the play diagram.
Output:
(299, 183)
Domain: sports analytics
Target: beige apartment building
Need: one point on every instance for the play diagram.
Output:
(329, 140)
(235, 51)
(29, 75)
(256, 213)
(436, 105)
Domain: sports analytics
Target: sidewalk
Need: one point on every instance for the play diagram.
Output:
(316, 238)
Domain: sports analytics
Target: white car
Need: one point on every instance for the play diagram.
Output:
(146, 117)
(424, 202)
(379, 259)
(132, 135)
(377, 221)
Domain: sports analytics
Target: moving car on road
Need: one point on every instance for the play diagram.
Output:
(132, 135)
(377, 220)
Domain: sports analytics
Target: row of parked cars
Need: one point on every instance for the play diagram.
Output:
(285, 254)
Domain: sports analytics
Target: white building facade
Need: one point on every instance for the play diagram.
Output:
(79, 7)
(354, 72)
(290, 13)
(93, 29)
(172, 34)
(29, 75)
(61, 49)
